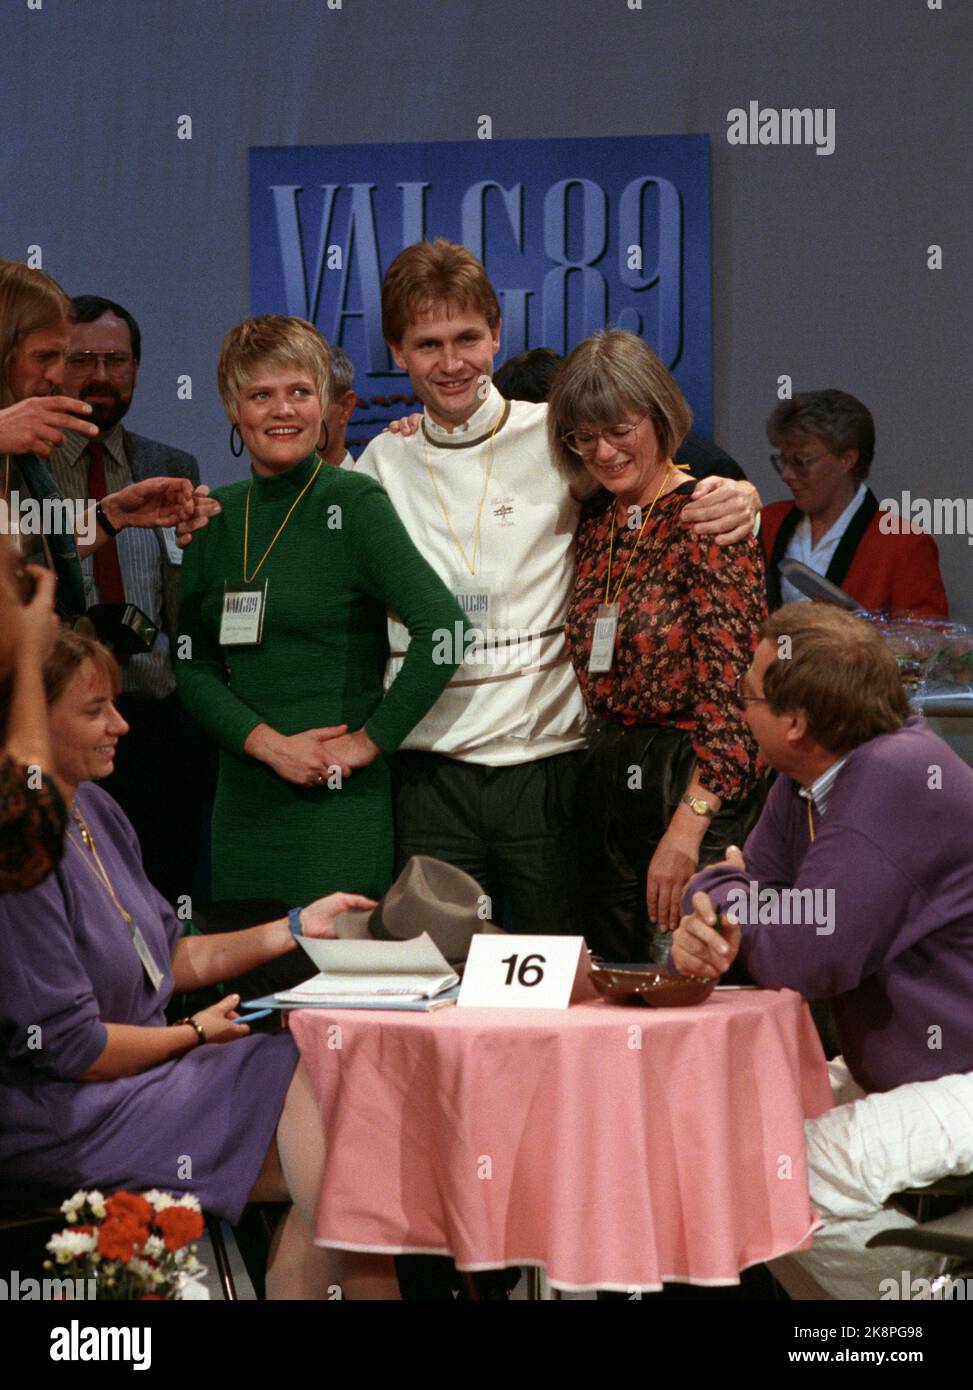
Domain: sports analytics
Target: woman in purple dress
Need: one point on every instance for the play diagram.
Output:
(95, 1089)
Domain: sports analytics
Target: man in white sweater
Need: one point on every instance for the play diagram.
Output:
(487, 780)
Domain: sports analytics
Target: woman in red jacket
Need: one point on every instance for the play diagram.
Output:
(834, 525)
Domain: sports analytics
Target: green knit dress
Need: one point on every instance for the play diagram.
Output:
(342, 560)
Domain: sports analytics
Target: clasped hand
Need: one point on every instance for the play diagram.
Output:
(311, 757)
(699, 946)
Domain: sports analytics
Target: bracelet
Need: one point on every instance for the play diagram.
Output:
(104, 523)
(294, 922)
(193, 1024)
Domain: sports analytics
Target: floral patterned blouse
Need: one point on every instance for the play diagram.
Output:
(32, 825)
(688, 619)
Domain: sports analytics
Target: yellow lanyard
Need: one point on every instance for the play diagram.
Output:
(246, 525)
(810, 821)
(611, 542)
(99, 873)
(479, 515)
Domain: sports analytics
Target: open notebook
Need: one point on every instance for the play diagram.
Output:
(372, 972)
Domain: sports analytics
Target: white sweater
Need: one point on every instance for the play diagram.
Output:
(516, 698)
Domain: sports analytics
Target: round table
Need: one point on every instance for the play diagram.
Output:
(618, 1148)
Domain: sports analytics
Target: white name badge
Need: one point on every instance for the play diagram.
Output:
(603, 639)
(478, 597)
(242, 619)
(145, 956)
(526, 972)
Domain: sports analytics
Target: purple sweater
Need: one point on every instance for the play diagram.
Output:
(890, 935)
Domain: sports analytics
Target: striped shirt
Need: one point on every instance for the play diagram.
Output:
(820, 789)
(141, 552)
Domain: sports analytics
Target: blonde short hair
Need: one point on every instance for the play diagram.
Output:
(29, 301)
(609, 373)
(272, 340)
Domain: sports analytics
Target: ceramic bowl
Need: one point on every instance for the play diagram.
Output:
(657, 988)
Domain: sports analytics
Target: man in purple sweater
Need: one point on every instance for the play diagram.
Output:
(856, 885)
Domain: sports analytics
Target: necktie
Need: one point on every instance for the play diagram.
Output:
(107, 570)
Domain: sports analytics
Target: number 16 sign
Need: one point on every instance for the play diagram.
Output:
(526, 972)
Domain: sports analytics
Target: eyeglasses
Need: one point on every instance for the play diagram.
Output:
(585, 442)
(798, 466)
(743, 698)
(83, 364)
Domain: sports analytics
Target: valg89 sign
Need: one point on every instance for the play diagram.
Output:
(575, 234)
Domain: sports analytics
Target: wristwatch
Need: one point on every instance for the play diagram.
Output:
(193, 1024)
(294, 921)
(697, 804)
(102, 521)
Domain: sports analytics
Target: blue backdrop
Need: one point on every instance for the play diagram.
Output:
(574, 233)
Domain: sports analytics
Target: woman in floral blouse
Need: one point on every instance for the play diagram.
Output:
(671, 775)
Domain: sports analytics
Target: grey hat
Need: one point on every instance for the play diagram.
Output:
(428, 896)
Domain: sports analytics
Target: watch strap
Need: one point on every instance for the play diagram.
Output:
(193, 1024)
(104, 523)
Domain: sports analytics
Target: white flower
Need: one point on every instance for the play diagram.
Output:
(189, 1201)
(97, 1204)
(68, 1245)
(73, 1205)
(159, 1200)
(154, 1247)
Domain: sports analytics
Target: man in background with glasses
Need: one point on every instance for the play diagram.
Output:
(834, 525)
(155, 778)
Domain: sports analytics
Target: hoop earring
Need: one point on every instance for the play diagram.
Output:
(323, 448)
(235, 429)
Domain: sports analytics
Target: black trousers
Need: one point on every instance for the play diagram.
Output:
(631, 782)
(514, 829)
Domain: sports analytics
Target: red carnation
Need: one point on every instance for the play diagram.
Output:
(120, 1203)
(119, 1237)
(179, 1226)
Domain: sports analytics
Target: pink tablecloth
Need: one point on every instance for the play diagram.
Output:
(616, 1147)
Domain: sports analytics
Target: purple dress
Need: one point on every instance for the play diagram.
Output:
(201, 1123)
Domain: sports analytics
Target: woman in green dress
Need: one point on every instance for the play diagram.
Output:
(283, 637)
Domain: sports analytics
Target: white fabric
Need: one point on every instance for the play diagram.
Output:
(817, 557)
(860, 1154)
(525, 702)
(348, 462)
